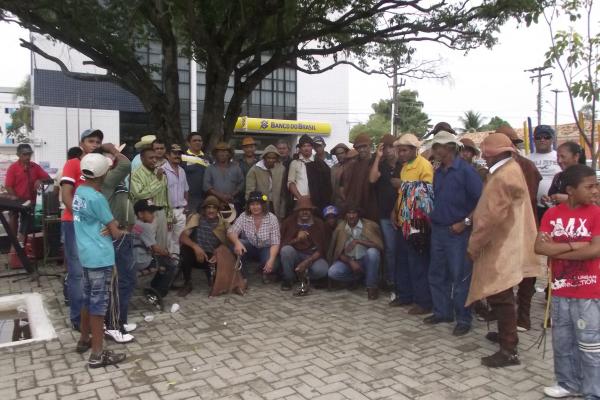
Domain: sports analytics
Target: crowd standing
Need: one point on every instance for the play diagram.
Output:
(450, 229)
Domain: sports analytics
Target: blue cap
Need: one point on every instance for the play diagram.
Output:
(329, 210)
(91, 132)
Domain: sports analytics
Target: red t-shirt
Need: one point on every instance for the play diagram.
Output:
(71, 175)
(21, 180)
(574, 278)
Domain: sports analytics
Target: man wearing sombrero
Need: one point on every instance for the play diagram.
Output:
(224, 178)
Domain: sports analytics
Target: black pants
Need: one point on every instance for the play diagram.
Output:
(188, 261)
(163, 279)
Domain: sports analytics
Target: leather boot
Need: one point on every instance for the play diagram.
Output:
(501, 359)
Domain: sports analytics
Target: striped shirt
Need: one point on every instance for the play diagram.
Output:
(146, 185)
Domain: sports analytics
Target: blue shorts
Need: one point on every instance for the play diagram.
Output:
(96, 289)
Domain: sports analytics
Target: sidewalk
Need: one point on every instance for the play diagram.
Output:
(271, 345)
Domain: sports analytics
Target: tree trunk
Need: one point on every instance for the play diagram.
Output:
(211, 124)
(166, 119)
(170, 77)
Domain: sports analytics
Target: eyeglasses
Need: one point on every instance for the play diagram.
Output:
(544, 137)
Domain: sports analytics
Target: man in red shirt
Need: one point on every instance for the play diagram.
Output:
(91, 139)
(23, 179)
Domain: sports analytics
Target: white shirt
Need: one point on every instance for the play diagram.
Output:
(500, 163)
(548, 166)
(297, 174)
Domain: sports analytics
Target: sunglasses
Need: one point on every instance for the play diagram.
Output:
(543, 137)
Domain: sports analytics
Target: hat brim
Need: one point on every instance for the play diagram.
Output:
(498, 150)
(474, 149)
(230, 209)
(311, 208)
(140, 145)
(28, 151)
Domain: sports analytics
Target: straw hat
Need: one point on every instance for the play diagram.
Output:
(408, 139)
(145, 141)
(222, 146)
(444, 137)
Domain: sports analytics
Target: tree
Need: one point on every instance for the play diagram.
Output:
(21, 118)
(247, 40)
(576, 55)
(409, 117)
(493, 124)
(472, 121)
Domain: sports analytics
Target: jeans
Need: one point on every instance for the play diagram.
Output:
(164, 276)
(411, 274)
(342, 272)
(576, 344)
(450, 274)
(389, 238)
(96, 290)
(74, 271)
(260, 254)
(290, 258)
(127, 278)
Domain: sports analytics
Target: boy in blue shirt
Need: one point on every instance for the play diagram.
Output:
(94, 227)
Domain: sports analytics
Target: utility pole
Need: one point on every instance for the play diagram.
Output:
(539, 77)
(556, 92)
(395, 85)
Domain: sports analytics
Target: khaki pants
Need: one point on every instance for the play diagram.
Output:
(178, 226)
(161, 229)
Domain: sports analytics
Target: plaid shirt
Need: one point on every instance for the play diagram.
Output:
(266, 236)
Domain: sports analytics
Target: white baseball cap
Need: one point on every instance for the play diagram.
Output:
(95, 165)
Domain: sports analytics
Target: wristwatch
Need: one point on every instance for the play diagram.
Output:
(468, 221)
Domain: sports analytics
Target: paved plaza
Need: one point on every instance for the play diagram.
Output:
(271, 345)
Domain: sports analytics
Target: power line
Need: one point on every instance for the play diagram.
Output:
(539, 77)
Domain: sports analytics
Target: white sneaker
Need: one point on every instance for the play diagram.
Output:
(521, 329)
(130, 327)
(392, 296)
(558, 392)
(117, 336)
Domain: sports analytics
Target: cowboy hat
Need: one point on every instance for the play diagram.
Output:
(145, 141)
(408, 139)
(496, 144)
(468, 143)
(510, 132)
(304, 203)
(443, 137)
(228, 212)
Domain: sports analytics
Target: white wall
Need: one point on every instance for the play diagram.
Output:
(325, 97)
(71, 58)
(57, 129)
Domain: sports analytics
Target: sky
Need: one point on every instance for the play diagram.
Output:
(491, 82)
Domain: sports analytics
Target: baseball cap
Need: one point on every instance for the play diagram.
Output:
(175, 148)
(95, 165)
(145, 205)
(92, 132)
(318, 140)
(543, 130)
(330, 210)
(24, 148)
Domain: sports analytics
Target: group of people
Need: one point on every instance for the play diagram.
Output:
(450, 228)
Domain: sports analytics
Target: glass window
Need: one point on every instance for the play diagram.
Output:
(183, 63)
(266, 98)
(279, 86)
(155, 60)
(201, 77)
(279, 99)
(290, 87)
(290, 100)
(184, 76)
(255, 97)
(200, 92)
(266, 84)
(184, 91)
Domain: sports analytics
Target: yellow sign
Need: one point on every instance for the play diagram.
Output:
(282, 126)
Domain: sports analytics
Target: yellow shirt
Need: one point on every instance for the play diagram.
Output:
(418, 169)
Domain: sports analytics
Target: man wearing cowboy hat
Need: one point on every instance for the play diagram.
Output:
(198, 249)
(411, 217)
(457, 188)
(339, 151)
(502, 244)
(309, 176)
(249, 157)
(468, 153)
(178, 194)
(150, 183)
(145, 141)
(266, 176)
(303, 245)
(224, 178)
(355, 179)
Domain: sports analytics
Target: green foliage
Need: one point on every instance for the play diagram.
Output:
(472, 121)
(21, 118)
(494, 124)
(409, 117)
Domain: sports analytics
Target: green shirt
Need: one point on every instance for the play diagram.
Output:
(115, 191)
(146, 185)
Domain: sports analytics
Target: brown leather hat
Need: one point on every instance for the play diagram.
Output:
(510, 132)
(361, 140)
(304, 203)
(496, 144)
(468, 143)
(222, 146)
(387, 140)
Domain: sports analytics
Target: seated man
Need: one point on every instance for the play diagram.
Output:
(355, 250)
(204, 232)
(303, 248)
(147, 253)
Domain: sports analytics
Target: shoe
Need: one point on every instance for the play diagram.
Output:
(82, 347)
(118, 336)
(433, 320)
(399, 303)
(500, 359)
(75, 327)
(105, 358)
(130, 327)
(521, 329)
(461, 330)
(185, 290)
(493, 337)
(286, 285)
(418, 310)
(372, 293)
(558, 392)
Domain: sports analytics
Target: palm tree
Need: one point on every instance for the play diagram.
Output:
(472, 121)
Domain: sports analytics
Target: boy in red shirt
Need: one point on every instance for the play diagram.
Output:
(570, 236)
